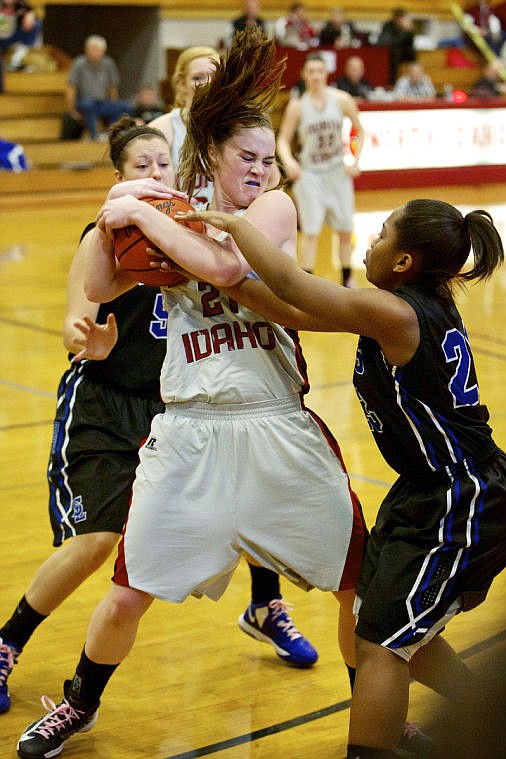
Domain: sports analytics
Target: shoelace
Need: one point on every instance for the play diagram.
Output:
(7, 662)
(279, 610)
(57, 717)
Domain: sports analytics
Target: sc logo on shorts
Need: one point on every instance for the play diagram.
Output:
(78, 512)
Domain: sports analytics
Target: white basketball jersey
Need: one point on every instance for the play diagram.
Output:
(320, 133)
(221, 352)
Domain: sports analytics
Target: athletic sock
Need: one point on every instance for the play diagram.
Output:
(264, 584)
(365, 752)
(90, 680)
(21, 626)
(346, 273)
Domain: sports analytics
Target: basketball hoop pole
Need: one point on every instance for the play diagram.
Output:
(470, 28)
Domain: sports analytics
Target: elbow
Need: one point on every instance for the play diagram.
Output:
(222, 280)
(229, 275)
(68, 343)
(70, 333)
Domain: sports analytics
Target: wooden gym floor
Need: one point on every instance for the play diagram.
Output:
(194, 685)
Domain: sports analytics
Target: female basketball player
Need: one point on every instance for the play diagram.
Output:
(266, 618)
(440, 535)
(322, 182)
(194, 66)
(106, 400)
(236, 463)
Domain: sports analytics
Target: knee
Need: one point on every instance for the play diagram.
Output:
(365, 650)
(126, 605)
(85, 105)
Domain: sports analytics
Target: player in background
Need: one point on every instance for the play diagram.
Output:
(263, 474)
(105, 403)
(266, 618)
(440, 534)
(194, 66)
(322, 180)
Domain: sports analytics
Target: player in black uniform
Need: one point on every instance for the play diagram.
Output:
(105, 403)
(440, 535)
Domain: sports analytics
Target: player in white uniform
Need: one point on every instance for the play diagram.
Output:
(266, 618)
(322, 182)
(236, 463)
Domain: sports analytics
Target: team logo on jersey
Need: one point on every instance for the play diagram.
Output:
(151, 444)
(78, 512)
(158, 325)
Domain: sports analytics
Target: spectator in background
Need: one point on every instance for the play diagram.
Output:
(19, 29)
(496, 36)
(480, 13)
(397, 34)
(250, 17)
(338, 32)
(414, 85)
(92, 87)
(490, 84)
(353, 80)
(295, 30)
(147, 105)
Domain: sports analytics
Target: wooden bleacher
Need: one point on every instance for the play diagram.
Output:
(60, 171)
(435, 63)
(32, 105)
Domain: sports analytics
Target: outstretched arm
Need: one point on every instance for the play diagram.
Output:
(375, 313)
(255, 294)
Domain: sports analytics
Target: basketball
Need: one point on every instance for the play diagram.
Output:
(130, 246)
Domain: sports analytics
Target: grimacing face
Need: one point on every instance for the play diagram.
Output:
(244, 165)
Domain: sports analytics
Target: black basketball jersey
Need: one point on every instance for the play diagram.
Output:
(135, 362)
(425, 416)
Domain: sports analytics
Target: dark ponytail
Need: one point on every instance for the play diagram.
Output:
(443, 239)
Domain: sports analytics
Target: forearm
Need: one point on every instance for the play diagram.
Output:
(104, 280)
(206, 258)
(272, 265)
(287, 158)
(359, 145)
(71, 334)
(256, 296)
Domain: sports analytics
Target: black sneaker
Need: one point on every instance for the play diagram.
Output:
(46, 737)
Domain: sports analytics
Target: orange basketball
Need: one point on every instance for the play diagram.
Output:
(130, 246)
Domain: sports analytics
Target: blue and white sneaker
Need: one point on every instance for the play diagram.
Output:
(8, 658)
(272, 624)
